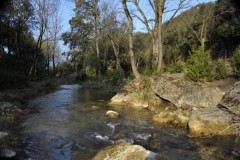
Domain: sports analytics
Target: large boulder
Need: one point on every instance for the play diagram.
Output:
(177, 117)
(124, 151)
(130, 99)
(210, 121)
(231, 103)
(231, 100)
(186, 94)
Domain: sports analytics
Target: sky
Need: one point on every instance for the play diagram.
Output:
(66, 9)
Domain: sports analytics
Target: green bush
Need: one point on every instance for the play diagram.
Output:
(146, 88)
(220, 71)
(236, 62)
(116, 76)
(199, 66)
(177, 67)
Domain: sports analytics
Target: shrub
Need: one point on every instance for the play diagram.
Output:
(177, 67)
(236, 62)
(220, 69)
(146, 88)
(116, 75)
(199, 66)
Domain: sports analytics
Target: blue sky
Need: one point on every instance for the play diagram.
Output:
(66, 8)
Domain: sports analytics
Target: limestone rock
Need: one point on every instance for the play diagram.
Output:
(130, 99)
(210, 121)
(112, 114)
(164, 117)
(186, 94)
(231, 100)
(124, 151)
(119, 99)
(174, 117)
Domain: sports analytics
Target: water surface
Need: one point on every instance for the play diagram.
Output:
(68, 127)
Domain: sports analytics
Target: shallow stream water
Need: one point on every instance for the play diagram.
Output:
(68, 127)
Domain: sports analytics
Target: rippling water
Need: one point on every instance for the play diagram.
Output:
(68, 127)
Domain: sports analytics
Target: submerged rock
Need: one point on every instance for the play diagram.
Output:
(210, 121)
(124, 151)
(7, 154)
(112, 114)
(95, 107)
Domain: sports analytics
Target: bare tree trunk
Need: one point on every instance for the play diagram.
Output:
(116, 52)
(48, 59)
(155, 50)
(160, 43)
(98, 56)
(130, 39)
(96, 14)
(53, 62)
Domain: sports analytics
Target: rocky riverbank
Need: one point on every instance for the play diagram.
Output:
(205, 109)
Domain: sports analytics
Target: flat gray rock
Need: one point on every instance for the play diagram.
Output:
(7, 154)
(3, 134)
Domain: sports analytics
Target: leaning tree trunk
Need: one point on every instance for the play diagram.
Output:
(130, 39)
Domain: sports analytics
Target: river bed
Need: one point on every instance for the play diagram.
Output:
(68, 127)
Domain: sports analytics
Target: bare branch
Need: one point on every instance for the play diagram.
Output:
(181, 6)
(144, 20)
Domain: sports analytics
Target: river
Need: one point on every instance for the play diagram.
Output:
(67, 126)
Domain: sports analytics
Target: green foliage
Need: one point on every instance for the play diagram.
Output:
(177, 67)
(148, 70)
(146, 88)
(220, 71)
(65, 68)
(116, 76)
(236, 62)
(199, 66)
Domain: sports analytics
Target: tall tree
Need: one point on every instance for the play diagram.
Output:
(130, 39)
(85, 30)
(159, 8)
(54, 30)
(16, 39)
(113, 28)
